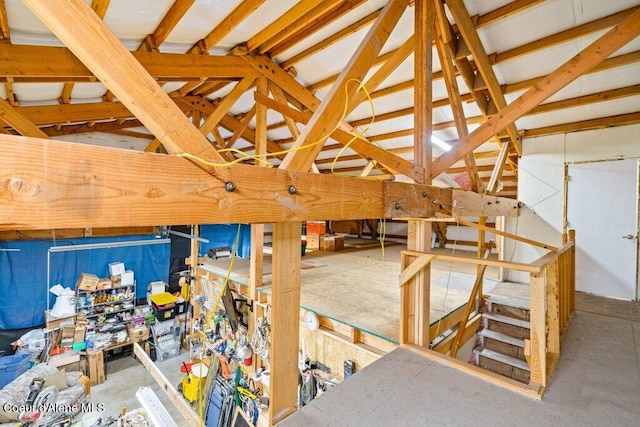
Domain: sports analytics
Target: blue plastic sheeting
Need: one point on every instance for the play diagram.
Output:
(221, 235)
(23, 274)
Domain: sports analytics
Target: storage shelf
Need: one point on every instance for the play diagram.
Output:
(104, 303)
(108, 289)
(110, 313)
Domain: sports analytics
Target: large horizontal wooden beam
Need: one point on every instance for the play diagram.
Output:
(43, 63)
(55, 184)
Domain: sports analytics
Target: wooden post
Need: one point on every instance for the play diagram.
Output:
(285, 312)
(538, 358)
(572, 287)
(553, 305)
(415, 295)
(480, 249)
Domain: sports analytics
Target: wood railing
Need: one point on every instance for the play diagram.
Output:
(552, 299)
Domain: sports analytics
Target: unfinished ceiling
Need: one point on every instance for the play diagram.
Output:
(499, 48)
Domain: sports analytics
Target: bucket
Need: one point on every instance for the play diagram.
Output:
(200, 370)
(91, 419)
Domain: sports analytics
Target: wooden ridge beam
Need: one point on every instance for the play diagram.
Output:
(588, 58)
(91, 41)
(328, 114)
(124, 188)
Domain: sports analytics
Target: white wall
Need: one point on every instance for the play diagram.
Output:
(541, 183)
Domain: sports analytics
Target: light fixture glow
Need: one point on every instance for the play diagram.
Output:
(440, 143)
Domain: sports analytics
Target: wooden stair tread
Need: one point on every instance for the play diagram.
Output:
(499, 336)
(509, 302)
(502, 358)
(508, 320)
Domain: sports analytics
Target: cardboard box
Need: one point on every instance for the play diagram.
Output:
(138, 334)
(63, 359)
(87, 282)
(313, 241)
(68, 331)
(104, 283)
(95, 362)
(126, 278)
(116, 268)
(78, 334)
(331, 243)
(115, 281)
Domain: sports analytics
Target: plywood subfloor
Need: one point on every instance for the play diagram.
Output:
(596, 383)
(360, 287)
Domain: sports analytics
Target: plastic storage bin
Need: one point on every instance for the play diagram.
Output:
(164, 306)
(11, 367)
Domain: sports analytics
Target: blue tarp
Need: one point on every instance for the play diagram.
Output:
(23, 274)
(221, 235)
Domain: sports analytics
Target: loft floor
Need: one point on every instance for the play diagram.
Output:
(597, 382)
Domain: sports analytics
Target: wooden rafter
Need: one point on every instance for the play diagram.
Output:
(328, 114)
(343, 8)
(364, 149)
(290, 22)
(226, 103)
(100, 8)
(173, 16)
(17, 121)
(470, 34)
(591, 56)
(243, 10)
(443, 43)
(5, 35)
(248, 116)
(92, 42)
(334, 38)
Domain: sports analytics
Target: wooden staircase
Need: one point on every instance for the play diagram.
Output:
(500, 342)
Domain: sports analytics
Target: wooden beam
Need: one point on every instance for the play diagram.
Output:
(447, 57)
(389, 66)
(248, 116)
(538, 333)
(285, 323)
(591, 56)
(224, 106)
(17, 121)
(173, 16)
(4, 23)
(46, 63)
(91, 41)
(583, 125)
(100, 8)
(507, 235)
(242, 11)
(334, 38)
(48, 187)
(174, 395)
(294, 20)
(328, 115)
(470, 306)
(528, 268)
(313, 27)
(364, 148)
(414, 268)
(98, 127)
(470, 34)
(287, 23)
(415, 296)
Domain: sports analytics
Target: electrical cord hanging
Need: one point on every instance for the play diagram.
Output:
(261, 157)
